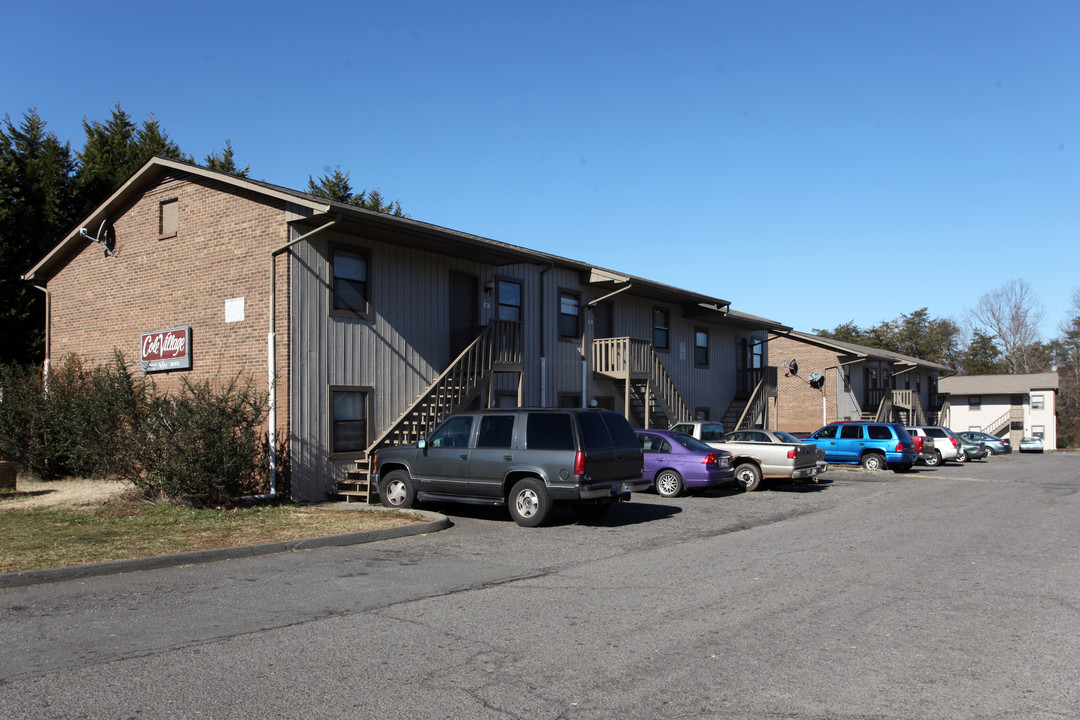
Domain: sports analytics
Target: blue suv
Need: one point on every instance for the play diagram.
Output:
(873, 445)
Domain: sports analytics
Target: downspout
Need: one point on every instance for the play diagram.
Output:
(271, 352)
(48, 336)
(543, 345)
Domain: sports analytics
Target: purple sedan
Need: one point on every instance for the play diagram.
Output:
(675, 461)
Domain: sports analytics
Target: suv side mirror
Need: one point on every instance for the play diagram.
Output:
(421, 443)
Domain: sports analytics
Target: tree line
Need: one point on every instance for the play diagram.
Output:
(46, 188)
(999, 335)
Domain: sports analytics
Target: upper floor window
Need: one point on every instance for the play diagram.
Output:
(974, 402)
(1037, 402)
(661, 328)
(569, 314)
(509, 300)
(168, 218)
(350, 291)
(701, 348)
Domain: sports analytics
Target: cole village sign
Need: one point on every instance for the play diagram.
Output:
(163, 350)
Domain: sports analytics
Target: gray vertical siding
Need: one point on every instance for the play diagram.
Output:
(405, 344)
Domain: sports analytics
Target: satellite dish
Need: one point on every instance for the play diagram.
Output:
(106, 237)
(792, 367)
(817, 379)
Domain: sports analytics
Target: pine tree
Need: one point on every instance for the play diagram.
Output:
(337, 187)
(36, 172)
(113, 152)
(225, 162)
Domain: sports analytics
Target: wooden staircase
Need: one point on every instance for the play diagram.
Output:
(754, 410)
(901, 406)
(469, 378)
(650, 398)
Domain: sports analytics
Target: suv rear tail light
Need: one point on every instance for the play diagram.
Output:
(899, 447)
(955, 443)
(579, 462)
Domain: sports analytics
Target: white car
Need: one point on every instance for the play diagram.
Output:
(1031, 444)
(946, 444)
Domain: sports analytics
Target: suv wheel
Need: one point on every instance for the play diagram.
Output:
(529, 502)
(934, 460)
(396, 490)
(872, 461)
(668, 484)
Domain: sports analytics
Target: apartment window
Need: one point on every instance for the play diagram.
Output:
(168, 218)
(1037, 402)
(701, 348)
(661, 328)
(348, 419)
(569, 315)
(350, 292)
(701, 413)
(1038, 431)
(974, 402)
(509, 300)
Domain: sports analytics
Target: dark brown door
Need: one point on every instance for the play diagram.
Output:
(464, 311)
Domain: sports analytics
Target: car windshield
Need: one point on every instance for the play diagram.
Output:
(691, 443)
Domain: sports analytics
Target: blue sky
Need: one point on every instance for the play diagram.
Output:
(813, 162)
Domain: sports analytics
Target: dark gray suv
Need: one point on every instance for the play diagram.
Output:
(524, 458)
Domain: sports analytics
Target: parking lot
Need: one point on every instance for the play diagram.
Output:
(946, 592)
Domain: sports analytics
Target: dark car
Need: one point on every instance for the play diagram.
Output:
(523, 458)
(996, 445)
(674, 461)
(872, 445)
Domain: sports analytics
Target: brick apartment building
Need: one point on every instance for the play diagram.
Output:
(367, 328)
(856, 382)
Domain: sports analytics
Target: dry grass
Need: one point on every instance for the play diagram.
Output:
(74, 522)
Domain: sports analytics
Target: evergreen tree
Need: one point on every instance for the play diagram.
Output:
(225, 162)
(336, 187)
(982, 356)
(36, 172)
(113, 152)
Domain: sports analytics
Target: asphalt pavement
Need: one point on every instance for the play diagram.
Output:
(948, 592)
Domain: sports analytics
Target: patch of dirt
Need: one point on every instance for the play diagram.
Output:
(31, 493)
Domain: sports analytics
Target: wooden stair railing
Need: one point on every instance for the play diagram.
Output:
(631, 361)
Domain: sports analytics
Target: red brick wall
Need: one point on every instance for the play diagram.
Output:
(798, 406)
(221, 251)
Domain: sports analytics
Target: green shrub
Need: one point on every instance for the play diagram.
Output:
(203, 446)
(74, 426)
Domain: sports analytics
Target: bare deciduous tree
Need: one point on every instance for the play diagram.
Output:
(1012, 314)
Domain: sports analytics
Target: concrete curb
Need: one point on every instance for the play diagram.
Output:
(436, 522)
